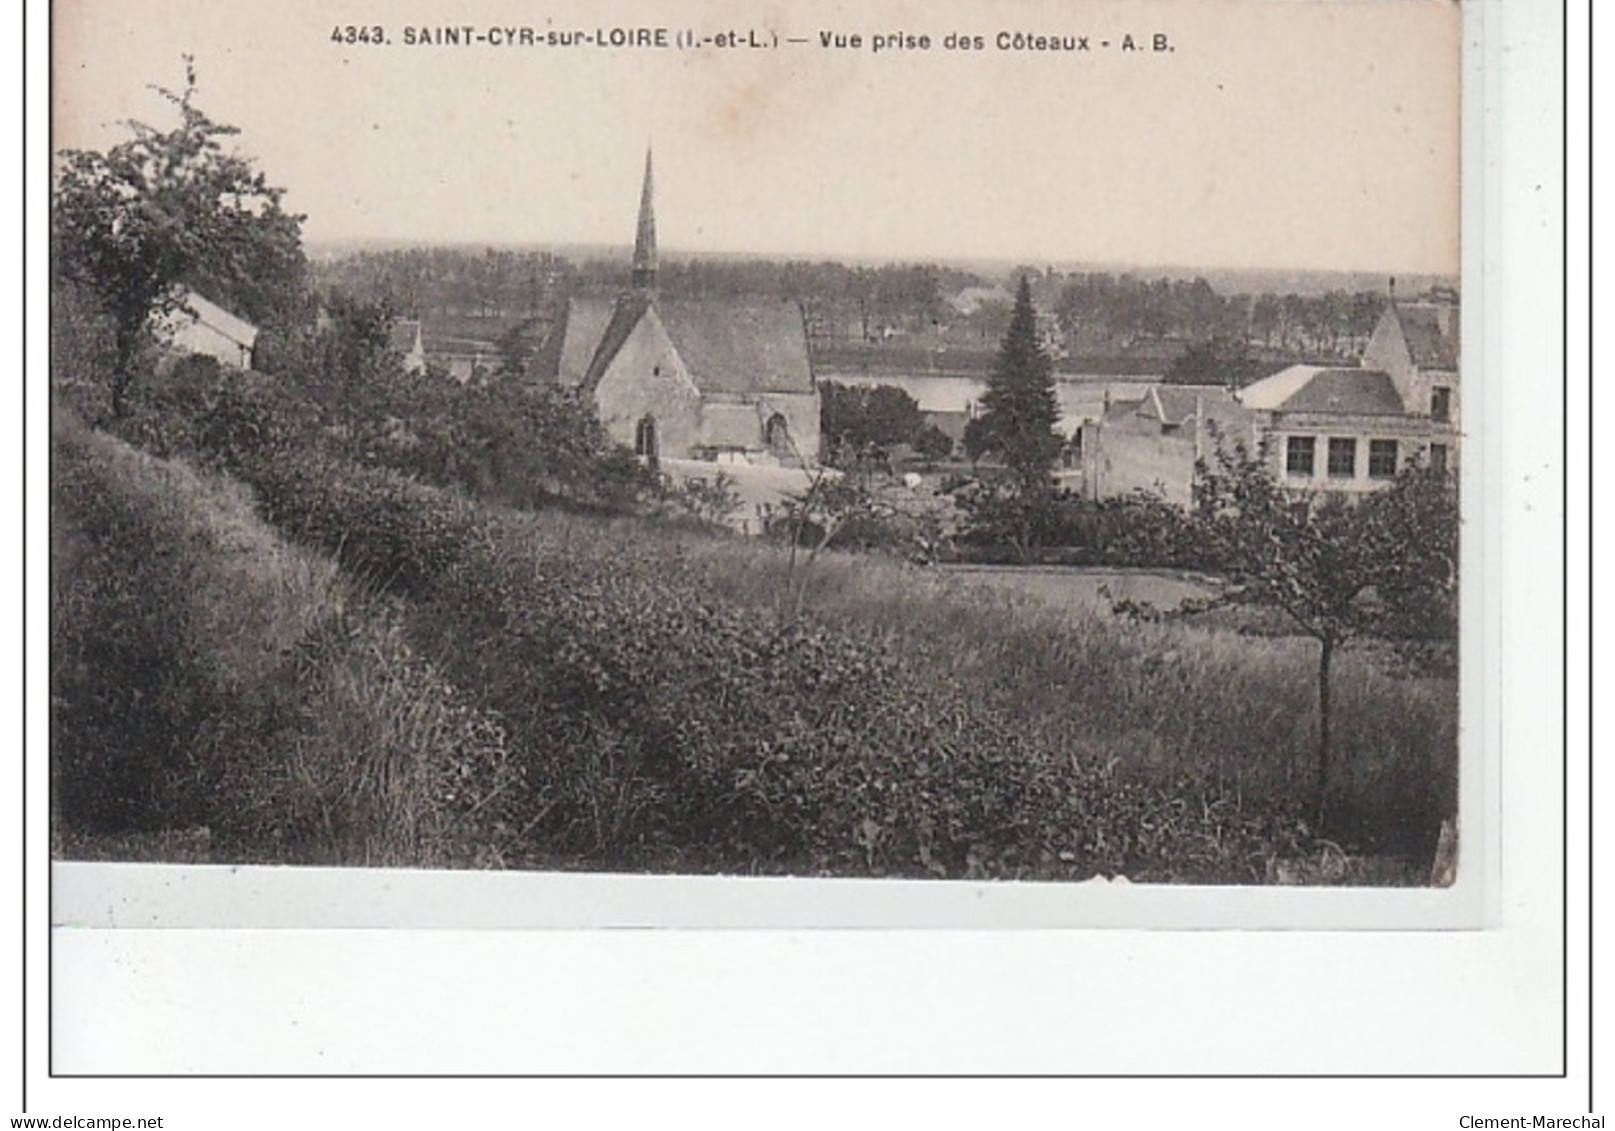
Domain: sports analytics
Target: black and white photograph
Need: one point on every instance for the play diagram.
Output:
(800, 538)
(1006, 446)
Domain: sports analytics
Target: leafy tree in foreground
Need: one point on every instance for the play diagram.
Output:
(1383, 566)
(1019, 410)
(169, 208)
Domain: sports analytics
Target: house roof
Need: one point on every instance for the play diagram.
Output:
(1313, 388)
(1175, 404)
(1136, 406)
(1429, 347)
(971, 299)
(216, 318)
(728, 346)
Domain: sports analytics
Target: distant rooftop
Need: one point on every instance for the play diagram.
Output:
(1313, 388)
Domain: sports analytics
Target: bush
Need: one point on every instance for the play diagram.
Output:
(83, 350)
(708, 503)
(393, 767)
(1003, 524)
(194, 408)
(393, 532)
(653, 725)
(504, 441)
(843, 513)
(679, 703)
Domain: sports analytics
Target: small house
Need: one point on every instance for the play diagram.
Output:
(198, 326)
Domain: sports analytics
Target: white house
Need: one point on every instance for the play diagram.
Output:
(1341, 428)
(1352, 428)
(198, 326)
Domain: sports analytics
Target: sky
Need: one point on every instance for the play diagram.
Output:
(1309, 134)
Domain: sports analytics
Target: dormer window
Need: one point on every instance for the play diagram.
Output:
(1441, 403)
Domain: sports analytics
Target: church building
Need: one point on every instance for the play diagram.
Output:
(728, 380)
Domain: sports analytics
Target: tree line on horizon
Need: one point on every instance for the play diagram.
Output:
(1096, 310)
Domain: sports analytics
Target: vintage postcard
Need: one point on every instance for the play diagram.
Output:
(1004, 455)
(792, 465)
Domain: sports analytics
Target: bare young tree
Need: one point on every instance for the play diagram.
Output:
(1382, 566)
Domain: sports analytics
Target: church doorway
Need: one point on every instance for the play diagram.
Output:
(647, 445)
(777, 435)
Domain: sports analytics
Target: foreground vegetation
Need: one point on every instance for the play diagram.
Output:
(483, 685)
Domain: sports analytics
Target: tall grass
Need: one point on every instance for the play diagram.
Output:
(207, 674)
(1226, 714)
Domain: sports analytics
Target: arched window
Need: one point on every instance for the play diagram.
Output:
(645, 442)
(777, 434)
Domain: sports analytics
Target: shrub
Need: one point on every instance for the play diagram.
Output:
(83, 350)
(393, 765)
(844, 513)
(1140, 529)
(709, 503)
(196, 409)
(148, 561)
(395, 533)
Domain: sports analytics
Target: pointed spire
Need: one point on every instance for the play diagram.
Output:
(645, 237)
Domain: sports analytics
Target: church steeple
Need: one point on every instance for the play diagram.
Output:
(645, 236)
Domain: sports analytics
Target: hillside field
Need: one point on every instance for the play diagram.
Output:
(321, 663)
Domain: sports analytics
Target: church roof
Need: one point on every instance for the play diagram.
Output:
(570, 346)
(625, 315)
(1312, 388)
(736, 346)
(727, 345)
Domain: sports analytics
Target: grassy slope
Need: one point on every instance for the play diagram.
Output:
(625, 694)
(696, 693)
(209, 677)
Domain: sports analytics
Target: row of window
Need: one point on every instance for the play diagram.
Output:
(1301, 457)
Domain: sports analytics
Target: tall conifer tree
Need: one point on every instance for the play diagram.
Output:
(1019, 409)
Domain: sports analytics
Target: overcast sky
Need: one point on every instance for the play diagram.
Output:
(1318, 134)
